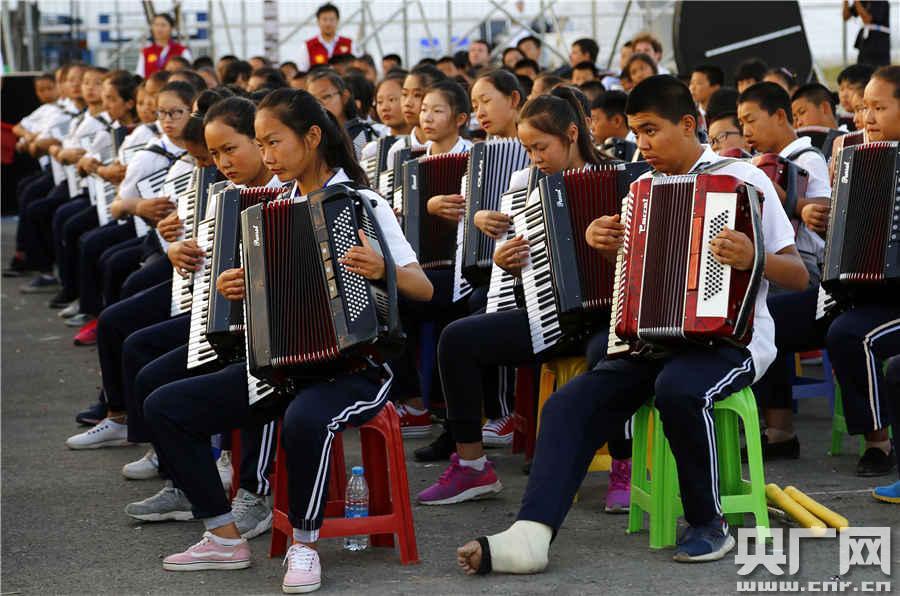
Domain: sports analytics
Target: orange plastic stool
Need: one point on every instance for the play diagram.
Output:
(390, 512)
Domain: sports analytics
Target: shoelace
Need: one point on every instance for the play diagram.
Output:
(300, 557)
(100, 427)
(242, 503)
(498, 424)
(445, 476)
(203, 542)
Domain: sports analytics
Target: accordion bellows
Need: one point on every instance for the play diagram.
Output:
(307, 315)
(863, 246)
(668, 286)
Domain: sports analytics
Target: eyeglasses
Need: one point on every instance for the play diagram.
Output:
(722, 137)
(327, 97)
(176, 114)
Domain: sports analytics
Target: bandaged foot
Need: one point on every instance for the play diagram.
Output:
(522, 549)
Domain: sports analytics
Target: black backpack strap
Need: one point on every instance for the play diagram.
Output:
(803, 150)
(159, 150)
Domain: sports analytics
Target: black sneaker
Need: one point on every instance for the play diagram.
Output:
(93, 415)
(876, 462)
(44, 283)
(17, 268)
(709, 542)
(61, 299)
(789, 449)
(438, 450)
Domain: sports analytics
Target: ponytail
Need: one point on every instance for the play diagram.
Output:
(553, 114)
(300, 111)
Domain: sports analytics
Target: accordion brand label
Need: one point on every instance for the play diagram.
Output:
(560, 201)
(845, 175)
(645, 208)
(414, 183)
(255, 235)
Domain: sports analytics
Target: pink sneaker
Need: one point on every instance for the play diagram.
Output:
(459, 483)
(209, 554)
(304, 572)
(618, 494)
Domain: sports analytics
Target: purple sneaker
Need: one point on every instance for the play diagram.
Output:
(618, 494)
(459, 483)
(209, 554)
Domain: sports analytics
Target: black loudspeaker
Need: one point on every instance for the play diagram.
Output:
(727, 33)
(17, 100)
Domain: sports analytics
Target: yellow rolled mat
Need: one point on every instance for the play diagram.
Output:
(835, 520)
(795, 510)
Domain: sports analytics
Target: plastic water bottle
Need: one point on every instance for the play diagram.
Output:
(356, 504)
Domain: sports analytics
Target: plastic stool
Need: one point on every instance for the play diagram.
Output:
(235, 463)
(809, 387)
(524, 414)
(657, 495)
(390, 512)
(554, 375)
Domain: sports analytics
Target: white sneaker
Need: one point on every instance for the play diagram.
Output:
(225, 470)
(69, 311)
(143, 469)
(107, 433)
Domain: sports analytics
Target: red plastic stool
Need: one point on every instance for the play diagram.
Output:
(524, 415)
(390, 512)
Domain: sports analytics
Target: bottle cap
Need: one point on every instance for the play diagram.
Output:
(357, 471)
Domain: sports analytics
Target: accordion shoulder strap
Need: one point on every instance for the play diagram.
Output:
(709, 168)
(803, 150)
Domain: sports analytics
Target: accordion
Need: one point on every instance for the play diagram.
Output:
(432, 238)
(376, 164)
(190, 203)
(668, 286)
(862, 252)
(789, 176)
(501, 294)
(567, 284)
(308, 317)
(217, 323)
(103, 193)
(491, 164)
(390, 184)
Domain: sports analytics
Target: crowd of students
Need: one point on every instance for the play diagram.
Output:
(308, 124)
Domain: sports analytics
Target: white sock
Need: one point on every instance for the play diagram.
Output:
(414, 411)
(306, 536)
(475, 464)
(883, 445)
(523, 548)
(224, 541)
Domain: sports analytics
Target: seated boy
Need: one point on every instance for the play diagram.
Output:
(585, 412)
(609, 125)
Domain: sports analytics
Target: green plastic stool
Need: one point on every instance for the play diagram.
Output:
(657, 494)
(839, 426)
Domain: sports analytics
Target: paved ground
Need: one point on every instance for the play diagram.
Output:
(64, 531)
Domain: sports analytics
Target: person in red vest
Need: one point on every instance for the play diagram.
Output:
(319, 49)
(155, 55)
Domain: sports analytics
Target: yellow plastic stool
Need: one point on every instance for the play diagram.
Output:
(554, 375)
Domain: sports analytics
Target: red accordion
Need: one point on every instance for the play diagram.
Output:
(668, 287)
(788, 175)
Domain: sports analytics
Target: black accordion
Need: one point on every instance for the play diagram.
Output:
(389, 181)
(217, 324)
(191, 207)
(308, 317)
(567, 284)
(862, 252)
(491, 164)
(432, 238)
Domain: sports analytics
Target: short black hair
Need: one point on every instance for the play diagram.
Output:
(770, 97)
(592, 88)
(611, 102)
(328, 7)
(272, 76)
(527, 84)
(483, 42)
(446, 59)
(815, 93)
(508, 50)
(587, 66)
(461, 59)
(857, 75)
(890, 74)
(341, 59)
(536, 41)
(202, 61)
(289, 63)
(367, 58)
(263, 59)
(722, 102)
(428, 61)
(44, 76)
(714, 74)
(588, 46)
(752, 68)
(663, 95)
(395, 57)
(239, 69)
(527, 63)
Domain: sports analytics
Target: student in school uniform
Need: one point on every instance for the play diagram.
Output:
(863, 337)
(725, 136)
(706, 79)
(609, 126)
(157, 354)
(444, 113)
(414, 85)
(554, 131)
(299, 140)
(852, 79)
(814, 105)
(583, 414)
(388, 100)
(59, 128)
(765, 117)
